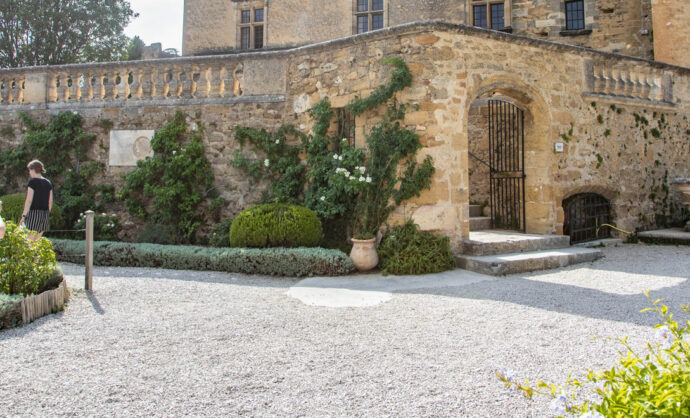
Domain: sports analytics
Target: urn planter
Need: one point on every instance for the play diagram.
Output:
(363, 254)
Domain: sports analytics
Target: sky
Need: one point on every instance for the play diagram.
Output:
(158, 21)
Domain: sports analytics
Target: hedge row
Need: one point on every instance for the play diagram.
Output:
(10, 305)
(290, 262)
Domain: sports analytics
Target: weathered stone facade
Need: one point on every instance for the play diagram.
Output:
(622, 121)
(671, 33)
(622, 26)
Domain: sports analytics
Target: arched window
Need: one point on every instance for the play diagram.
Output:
(585, 217)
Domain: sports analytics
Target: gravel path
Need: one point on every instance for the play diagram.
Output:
(156, 342)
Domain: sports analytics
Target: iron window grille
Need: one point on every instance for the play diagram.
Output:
(368, 15)
(252, 28)
(488, 14)
(585, 217)
(346, 127)
(575, 15)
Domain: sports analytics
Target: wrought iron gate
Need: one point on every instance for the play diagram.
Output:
(507, 165)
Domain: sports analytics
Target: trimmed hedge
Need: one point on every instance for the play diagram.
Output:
(13, 206)
(276, 225)
(10, 311)
(290, 262)
(407, 250)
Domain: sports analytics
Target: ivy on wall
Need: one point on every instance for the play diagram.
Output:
(175, 186)
(332, 177)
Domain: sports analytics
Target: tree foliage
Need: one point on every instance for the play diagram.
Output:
(42, 32)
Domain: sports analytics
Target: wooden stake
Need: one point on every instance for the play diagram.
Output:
(88, 285)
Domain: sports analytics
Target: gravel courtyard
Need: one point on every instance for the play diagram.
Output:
(159, 342)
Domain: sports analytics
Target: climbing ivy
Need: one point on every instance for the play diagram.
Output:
(334, 178)
(175, 186)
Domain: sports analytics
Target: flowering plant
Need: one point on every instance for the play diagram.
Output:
(655, 384)
(105, 227)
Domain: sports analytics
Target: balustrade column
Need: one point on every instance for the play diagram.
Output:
(4, 91)
(161, 85)
(73, 86)
(17, 90)
(187, 82)
(62, 87)
(215, 82)
(135, 87)
(202, 85)
(174, 86)
(146, 84)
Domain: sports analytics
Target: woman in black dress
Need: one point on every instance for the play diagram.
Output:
(39, 201)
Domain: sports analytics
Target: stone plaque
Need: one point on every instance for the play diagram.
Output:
(128, 147)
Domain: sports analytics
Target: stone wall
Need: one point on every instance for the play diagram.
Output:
(628, 154)
(622, 26)
(671, 34)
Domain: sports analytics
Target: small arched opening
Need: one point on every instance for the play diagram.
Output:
(586, 217)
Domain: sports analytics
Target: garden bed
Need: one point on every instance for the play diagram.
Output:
(17, 310)
(288, 262)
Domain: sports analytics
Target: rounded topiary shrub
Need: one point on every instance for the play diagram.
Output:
(13, 206)
(276, 225)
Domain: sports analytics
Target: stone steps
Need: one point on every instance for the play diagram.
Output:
(504, 242)
(476, 211)
(513, 263)
(480, 223)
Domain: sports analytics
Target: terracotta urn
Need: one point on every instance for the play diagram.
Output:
(683, 188)
(363, 254)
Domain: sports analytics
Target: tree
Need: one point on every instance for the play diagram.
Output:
(135, 49)
(52, 32)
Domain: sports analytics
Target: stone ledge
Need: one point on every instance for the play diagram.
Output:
(629, 100)
(579, 32)
(112, 104)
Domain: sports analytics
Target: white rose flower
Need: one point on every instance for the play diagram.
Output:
(267, 162)
(344, 139)
(335, 156)
(323, 198)
(175, 152)
(368, 179)
(361, 178)
(340, 157)
(277, 141)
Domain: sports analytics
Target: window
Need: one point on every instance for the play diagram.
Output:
(488, 14)
(369, 15)
(575, 15)
(252, 29)
(346, 126)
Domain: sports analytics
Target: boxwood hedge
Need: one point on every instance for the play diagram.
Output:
(289, 262)
(276, 225)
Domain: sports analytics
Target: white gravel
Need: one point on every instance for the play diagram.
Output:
(155, 342)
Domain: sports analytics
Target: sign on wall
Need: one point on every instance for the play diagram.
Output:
(128, 147)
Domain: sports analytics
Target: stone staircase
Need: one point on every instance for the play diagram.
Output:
(478, 222)
(499, 253)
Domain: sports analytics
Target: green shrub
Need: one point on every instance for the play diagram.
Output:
(25, 264)
(407, 250)
(289, 262)
(52, 281)
(105, 227)
(157, 234)
(655, 384)
(276, 225)
(10, 311)
(13, 206)
(220, 234)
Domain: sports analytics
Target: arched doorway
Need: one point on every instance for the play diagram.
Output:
(497, 162)
(521, 127)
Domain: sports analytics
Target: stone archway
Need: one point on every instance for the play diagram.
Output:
(540, 209)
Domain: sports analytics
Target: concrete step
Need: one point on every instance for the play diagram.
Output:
(499, 265)
(476, 211)
(504, 242)
(480, 223)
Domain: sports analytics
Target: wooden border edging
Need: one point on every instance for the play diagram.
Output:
(48, 302)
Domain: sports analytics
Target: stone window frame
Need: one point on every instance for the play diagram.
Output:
(507, 13)
(252, 25)
(590, 12)
(369, 14)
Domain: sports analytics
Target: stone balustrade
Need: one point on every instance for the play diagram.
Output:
(210, 79)
(632, 82)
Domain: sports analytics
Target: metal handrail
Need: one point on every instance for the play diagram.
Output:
(480, 160)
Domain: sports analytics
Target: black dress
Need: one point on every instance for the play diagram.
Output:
(38, 218)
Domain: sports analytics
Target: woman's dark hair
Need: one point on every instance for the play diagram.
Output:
(37, 166)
